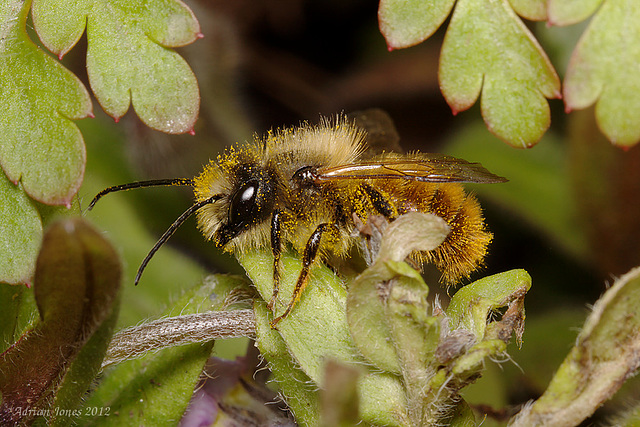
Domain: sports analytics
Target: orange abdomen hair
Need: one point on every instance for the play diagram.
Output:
(465, 247)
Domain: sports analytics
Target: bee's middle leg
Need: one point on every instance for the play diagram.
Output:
(308, 258)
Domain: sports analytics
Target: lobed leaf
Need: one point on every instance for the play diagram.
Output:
(535, 10)
(603, 69)
(128, 55)
(60, 35)
(404, 23)
(39, 144)
(567, 12)
(487, 50)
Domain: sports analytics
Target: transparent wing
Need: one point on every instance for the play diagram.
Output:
(417, 167)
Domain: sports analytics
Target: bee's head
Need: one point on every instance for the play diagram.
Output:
(246, 191)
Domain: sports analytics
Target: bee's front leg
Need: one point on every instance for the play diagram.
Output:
(276, 249)
(309, 256)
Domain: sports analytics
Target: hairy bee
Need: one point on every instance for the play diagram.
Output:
(302, 187)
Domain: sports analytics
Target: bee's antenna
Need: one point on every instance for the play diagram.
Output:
(172, 229)
(139, 184)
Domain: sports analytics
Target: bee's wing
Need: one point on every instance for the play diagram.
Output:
(382, 135)
(420, 167)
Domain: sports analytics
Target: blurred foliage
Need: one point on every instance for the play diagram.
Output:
(52, 363)
(568, 216)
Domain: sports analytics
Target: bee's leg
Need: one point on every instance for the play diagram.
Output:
(276, 249)
(379, 202)
(309, 256)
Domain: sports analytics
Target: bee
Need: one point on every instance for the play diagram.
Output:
(304, 186)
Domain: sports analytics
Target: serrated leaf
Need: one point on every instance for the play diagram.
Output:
(128, 60)
(488, 50)
(39, 144)
(567, 12)
(20, 234)
(406, 23)
(603, 69)
(76, 283)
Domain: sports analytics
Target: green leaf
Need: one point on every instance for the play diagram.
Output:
(316, 330)
(39, 144)
(443, 353)
(381, 395)
(629, 417)
(76, 285)
(382, 400)
(488, 50)
(367, 313)
(128, 60)
(535, 10)
(406, 23)
(415, 335)
(313, 333)
(471, 305)
(20, 233)
(603, 69)
(605, 355)
(567, 12)
(463, 416)
(153, 390)
(304, 401)
(18, 313)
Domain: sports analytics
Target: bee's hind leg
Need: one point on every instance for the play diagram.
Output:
(309, 256)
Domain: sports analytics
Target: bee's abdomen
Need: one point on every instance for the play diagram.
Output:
(464, 249)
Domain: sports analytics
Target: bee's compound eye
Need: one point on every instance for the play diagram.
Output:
(305, 176)
(243, 203)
